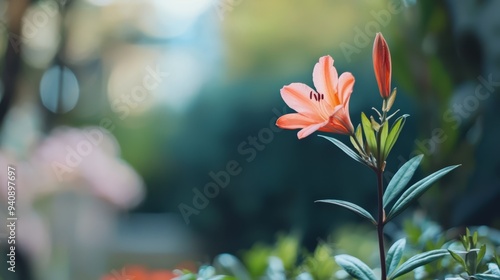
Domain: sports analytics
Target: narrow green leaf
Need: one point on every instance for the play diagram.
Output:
(375, 124)
(351, 206)
(355, 145)
(344, 148)
(358, 139)
(400, 179)
(465, 241)
(484, 276)
(459, 259)
(369, 133)
(417, 261)
(480, 254)
(394, 134)
(416, 190)
(355, 267)
(394, 255)
(391, 100)
(470, 260)
(359, 135)
(383, 137)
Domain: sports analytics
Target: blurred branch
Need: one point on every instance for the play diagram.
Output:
(12, 62)
(59, 59)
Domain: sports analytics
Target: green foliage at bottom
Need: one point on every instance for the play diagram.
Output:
(425, 253)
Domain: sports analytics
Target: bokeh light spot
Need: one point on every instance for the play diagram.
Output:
(59, 89)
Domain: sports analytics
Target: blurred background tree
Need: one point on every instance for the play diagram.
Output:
(186, 87)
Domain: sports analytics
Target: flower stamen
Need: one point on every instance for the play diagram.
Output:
(318, 97)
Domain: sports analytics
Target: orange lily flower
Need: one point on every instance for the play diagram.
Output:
(327, 109)
(382, 65)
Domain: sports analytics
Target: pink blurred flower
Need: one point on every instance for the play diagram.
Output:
(88, 157)
(69, 160)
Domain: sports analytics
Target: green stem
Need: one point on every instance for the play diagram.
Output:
(381, 211)
(380, 224)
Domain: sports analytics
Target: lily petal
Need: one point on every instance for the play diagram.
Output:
(340, 122)
(325, 78)
(297, 97)
(294, 121)
(345, 86)
(310, 129)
